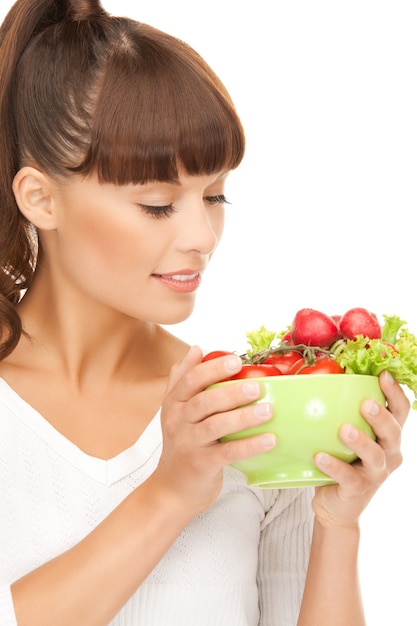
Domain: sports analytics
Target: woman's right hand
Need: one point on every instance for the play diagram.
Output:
(194, 419)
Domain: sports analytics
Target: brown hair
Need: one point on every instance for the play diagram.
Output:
(85, 92)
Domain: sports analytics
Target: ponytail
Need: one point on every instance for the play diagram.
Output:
(18, 241)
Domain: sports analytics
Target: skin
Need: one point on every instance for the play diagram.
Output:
(98, 284)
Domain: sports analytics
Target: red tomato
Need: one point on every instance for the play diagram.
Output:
(215, 354)
(359, 321)
(323, 365)
(285, 360)
(313, 328)
(256, 370)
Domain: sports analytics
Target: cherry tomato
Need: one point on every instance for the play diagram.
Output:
(285, 361)
(215, 354)
(256, 370)
(323, 365)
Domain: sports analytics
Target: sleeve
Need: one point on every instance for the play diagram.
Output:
(7, 614)
(284, 552)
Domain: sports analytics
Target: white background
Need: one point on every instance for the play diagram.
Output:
(323, 206)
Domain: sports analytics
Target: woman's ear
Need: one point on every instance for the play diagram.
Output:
(34, 197)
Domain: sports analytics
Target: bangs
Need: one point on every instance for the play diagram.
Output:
(160, 108)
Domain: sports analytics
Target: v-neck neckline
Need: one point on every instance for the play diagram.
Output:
(105, 471)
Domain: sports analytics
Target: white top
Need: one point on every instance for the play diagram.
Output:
(241, 562)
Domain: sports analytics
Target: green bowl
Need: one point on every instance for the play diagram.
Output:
(309, 411)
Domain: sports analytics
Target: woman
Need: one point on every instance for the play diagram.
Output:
(118, 502)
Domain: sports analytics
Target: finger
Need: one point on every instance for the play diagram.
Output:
(196, 376)
(387, 431)
(222, 400)
(370, 452)
(370, 470)
(398, 403)
(386, 427)
(239, 449)
(225, 398)
(191, 359)
(362, 476)
(222, 424)
(345, 474)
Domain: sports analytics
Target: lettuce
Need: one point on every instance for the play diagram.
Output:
(259, 340)
(396, 352)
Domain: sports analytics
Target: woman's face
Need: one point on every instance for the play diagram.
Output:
(137, 249)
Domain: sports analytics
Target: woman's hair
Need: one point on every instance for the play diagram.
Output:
(83, 92)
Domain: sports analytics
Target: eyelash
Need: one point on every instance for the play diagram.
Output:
(158, 211)
(219, 199)
(165, 211)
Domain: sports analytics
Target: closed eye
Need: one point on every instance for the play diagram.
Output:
(158, 211)
(219, 199)
(166, 210)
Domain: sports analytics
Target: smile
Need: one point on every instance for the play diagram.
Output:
(181, 282)
(183, 277)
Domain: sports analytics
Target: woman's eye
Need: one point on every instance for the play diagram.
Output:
(219, 199)
(169, 209)
(158, 211)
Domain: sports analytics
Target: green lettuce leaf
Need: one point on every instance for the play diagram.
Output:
(396, 352)
(259, 340)
(391, 328)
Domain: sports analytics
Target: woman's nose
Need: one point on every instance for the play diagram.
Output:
(201, 228)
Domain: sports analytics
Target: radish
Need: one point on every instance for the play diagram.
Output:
(313, 328)
(337, 319)
(360, 321)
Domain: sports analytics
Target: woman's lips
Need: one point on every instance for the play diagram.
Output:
(184, 281)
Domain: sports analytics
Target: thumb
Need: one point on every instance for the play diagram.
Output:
(192, 358)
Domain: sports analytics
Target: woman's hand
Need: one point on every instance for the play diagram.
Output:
(194, 418)
(342, 504)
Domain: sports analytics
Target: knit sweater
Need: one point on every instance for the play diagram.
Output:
(241, 562)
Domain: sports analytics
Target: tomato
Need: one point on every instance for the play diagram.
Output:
(360, 321)
(285, 360)
(256, 370)
(322, 365)
(215, 354)
(313, 328)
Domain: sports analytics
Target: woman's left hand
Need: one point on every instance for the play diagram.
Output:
(341, 504)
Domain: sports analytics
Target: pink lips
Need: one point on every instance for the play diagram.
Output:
(182, 281)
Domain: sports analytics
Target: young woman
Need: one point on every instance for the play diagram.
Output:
(118, 505)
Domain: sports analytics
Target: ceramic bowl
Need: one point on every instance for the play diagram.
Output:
(308, 413)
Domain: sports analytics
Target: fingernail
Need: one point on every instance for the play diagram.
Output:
(371, 407)
(233, 363)
(269, 441)
(323, 459)
(388, 377)
(350, 432)
(251, 389)
(262, 410)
